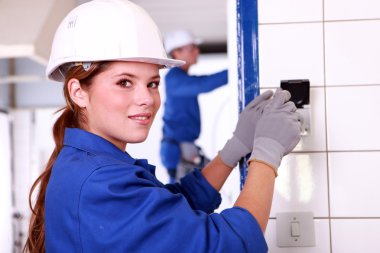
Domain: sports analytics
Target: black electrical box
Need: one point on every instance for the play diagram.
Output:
(299, 89)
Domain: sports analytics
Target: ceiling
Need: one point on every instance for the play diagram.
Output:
(27, 27)
(206, 19)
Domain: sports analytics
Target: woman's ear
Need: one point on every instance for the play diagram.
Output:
(77, 93)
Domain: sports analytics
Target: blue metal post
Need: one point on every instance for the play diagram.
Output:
(248, 60)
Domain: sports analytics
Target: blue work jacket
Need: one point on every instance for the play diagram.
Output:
(182, 120)
(99, 199)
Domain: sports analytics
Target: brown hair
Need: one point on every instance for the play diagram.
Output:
(72, 116)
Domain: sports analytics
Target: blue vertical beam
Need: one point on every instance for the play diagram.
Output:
(248, 60)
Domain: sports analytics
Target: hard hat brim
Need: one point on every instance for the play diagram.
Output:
(55, 74)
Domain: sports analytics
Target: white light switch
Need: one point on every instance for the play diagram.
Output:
(295, 229)
(295, 226)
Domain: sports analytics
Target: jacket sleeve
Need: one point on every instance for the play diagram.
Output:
(179, 83)
(198, 192)
(122, 210)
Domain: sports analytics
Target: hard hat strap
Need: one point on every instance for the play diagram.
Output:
(86, 65)
(63, 69)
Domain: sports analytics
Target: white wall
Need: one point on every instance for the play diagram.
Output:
(4, 88)
(6, 233)
(335, 44)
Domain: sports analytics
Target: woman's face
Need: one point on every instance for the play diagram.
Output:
(123, 101)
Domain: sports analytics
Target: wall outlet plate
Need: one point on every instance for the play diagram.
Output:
(295, 229)
(306, 116)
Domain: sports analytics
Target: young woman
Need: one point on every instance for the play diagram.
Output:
(94, 197)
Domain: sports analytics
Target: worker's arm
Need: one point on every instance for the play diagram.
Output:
(256, 195)
(241, 143)
(276, 133)
(180, 84)
(216, 172)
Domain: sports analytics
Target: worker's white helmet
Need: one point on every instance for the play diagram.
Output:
(107, 30)
(179, 38)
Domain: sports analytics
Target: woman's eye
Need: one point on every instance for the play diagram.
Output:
(154, 85)
(124, 83)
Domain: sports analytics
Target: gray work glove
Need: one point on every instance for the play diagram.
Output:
(277, 132)
(241, 142)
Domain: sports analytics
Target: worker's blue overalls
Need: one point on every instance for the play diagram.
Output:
(182, 122)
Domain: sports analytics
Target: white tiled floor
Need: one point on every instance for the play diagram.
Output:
(352, 52)
(291, 51)
(301, 185)
(322, 239)
(354, 236)
(351, 9)
(354, 187)
(353, 120)
(275, 11)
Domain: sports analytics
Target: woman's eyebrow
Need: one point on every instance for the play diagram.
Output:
(134, 76)
(125, 74)
(156, 77)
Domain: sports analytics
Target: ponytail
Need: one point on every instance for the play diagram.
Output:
(36, 239)
(72, 116)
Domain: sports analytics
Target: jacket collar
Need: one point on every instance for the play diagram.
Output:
(94, 144)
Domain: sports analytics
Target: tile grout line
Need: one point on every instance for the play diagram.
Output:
(340, 218)
(326, 138)
(270, 86)
(321, 21)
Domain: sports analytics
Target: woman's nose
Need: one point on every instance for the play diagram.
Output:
(144, 96)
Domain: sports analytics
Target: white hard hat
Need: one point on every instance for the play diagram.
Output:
(179, 38)
(106, 30)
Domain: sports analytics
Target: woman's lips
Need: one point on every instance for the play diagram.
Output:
(141, 118)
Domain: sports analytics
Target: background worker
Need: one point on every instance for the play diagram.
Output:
(181, 119)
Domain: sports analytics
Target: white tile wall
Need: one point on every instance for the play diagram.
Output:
(353, 118)
(351, 9)
(355, 235)
(291, 51)
(339, 53)
(275, 11)
(301, 185)
(354, 187)
(352, 52)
